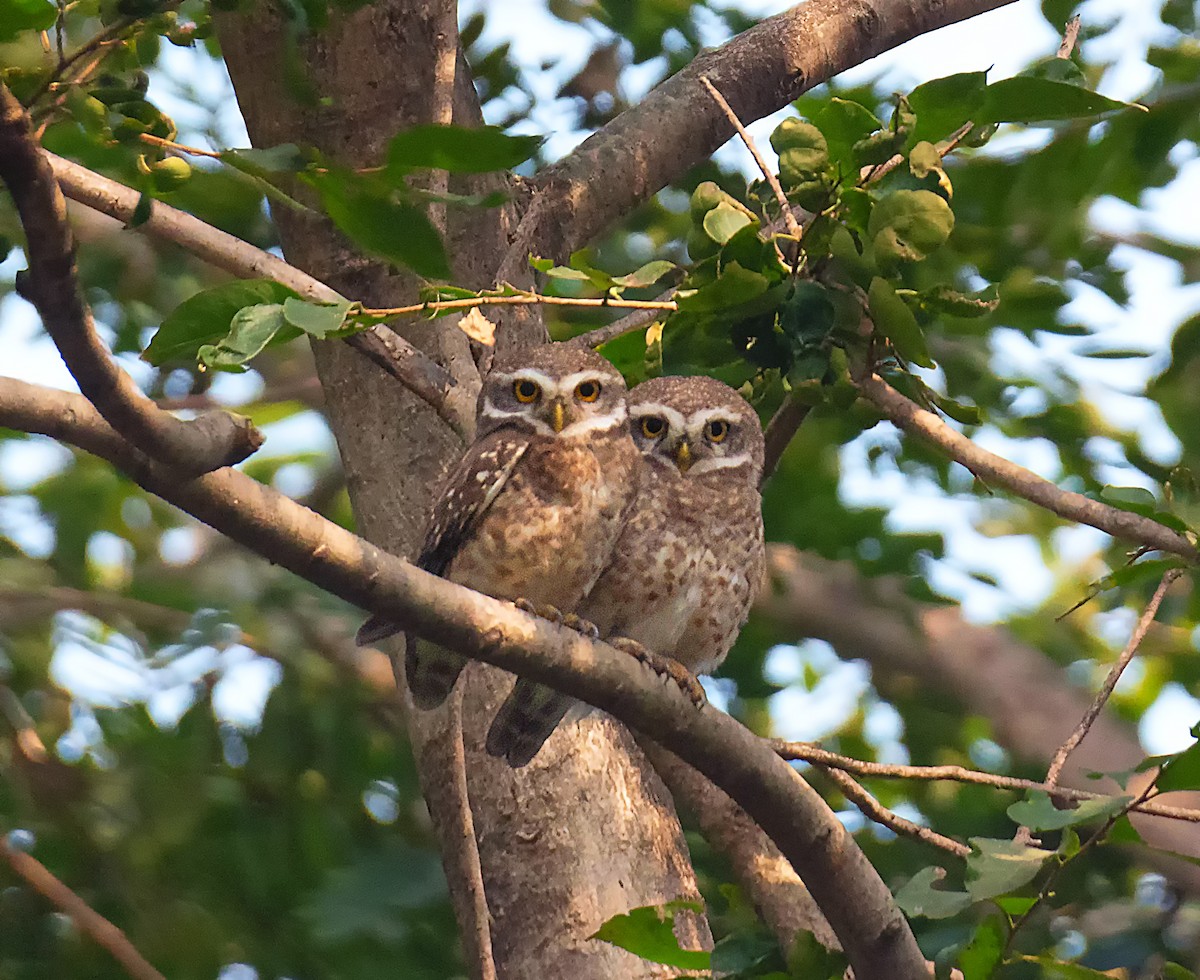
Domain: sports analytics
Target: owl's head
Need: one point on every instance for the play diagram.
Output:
(557, 390)
(697, 425)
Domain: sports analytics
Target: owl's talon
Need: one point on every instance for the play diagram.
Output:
(582, 626)
(663, 666)
(540, 610)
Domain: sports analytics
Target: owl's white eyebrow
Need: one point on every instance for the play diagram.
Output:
(564, 384)
(720, 463)
(675, 419)
(698, 420)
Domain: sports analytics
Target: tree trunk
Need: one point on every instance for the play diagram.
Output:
(587, 831)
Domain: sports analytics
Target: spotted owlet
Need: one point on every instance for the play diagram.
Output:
(690, 558)
(534, 508)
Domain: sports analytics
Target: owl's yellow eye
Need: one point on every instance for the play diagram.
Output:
(716, 430)
(652, 426)
(587, 391)
(526, 390)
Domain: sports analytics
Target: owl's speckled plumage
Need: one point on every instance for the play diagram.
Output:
(691, 557)
(535, 506)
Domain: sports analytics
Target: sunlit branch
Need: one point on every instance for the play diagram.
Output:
(996, 471)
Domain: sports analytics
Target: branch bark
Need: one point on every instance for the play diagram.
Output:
(849, 891)
(996, 470)
(210, 441)
(678, 125)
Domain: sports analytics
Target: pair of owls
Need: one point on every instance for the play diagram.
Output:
(637, 511)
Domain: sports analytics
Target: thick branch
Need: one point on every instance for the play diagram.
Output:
(419, 373)
(87, 920)
(997, 471)
(761, 869)
(849, 891)
(210, 441)
(678, 125)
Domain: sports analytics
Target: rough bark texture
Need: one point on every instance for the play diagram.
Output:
(1031, 707)
(551, 879)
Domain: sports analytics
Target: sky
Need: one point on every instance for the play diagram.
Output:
(1006, 40)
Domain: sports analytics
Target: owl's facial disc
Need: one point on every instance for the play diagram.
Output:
(570, 406)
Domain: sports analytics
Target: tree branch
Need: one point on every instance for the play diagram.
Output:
(678, 125)
(206, 443)
(1054, 773)
(765, 875)
(419, 373)
(806, 752)
(849, 891)
(872, 809)
(209, 442)
(995, 470)
(86, 919)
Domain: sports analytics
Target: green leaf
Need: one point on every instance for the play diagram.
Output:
(996, 867)
(944, 104)
(649, 932)
(284, 159)
(1181, 772)
(909, 225)
(458, 149)
(895, 320)
(803, 152)
(725, 221)
(251, 330)
(205, 318)
(919, 897)
(843, 124)
(1015, 905)
(985, 950)
(25, 15)
(924, 159)
(367, 212)
(1053, 969)
(647, 275)
(318, 319)
(1032, 100)
(732, 288)
(943, 299)
(1038, 812)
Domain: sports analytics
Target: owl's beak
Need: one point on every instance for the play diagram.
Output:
(558, 416)
(683, 456)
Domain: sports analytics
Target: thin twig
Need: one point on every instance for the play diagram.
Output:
(524, 298)
(804, 752)
(182, 148)
(1070, 36)
(117, 27)
(205, 443)
(1054, 772)
(996, 471)
(90, 922)
(793, 226)
(637, 320)
(880, 814)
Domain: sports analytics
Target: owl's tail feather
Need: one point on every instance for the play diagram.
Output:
(525, 720)
(431, 673)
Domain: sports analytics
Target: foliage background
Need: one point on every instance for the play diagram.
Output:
(241, 807)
